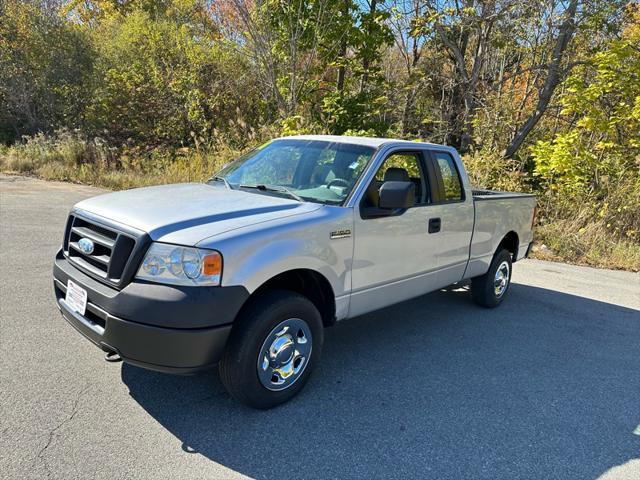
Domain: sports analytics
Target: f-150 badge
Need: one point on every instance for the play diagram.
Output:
(340, 234)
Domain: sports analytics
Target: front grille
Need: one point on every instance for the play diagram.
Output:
(112, 249)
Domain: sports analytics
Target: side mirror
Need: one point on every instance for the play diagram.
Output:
(394, 195)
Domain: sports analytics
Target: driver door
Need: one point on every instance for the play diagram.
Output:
(395, 256)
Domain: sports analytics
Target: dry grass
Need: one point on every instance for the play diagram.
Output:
(69, 157)
(592, 245)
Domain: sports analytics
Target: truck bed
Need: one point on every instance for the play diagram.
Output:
(496, 215)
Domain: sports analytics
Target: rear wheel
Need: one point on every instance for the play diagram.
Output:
(274, 345)
(490, 289)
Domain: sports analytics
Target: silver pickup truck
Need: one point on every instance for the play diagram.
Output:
(246, 270)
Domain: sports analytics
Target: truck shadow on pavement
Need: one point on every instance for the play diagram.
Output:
(545, 386)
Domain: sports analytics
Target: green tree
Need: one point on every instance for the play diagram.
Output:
(159, 82)
(358, 100)
(598, 159)
(45, 66)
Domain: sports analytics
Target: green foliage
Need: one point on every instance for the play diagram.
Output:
(597, 162)
(45, 65)
(362, 104)
(159, 83)
(362, 111)
(309, 37)
(147, 82)
(489, 170)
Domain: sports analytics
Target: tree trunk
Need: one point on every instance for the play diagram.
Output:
(553, 79)
(366, 61)
(342, 69)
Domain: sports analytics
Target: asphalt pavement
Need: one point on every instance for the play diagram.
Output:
(545, 386)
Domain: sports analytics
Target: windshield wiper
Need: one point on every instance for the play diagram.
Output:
(218, 178)
(274, 188)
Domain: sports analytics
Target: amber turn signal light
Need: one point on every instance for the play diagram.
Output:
(212, 264)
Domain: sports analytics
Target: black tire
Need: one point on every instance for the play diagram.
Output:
(239, 365)
(483, 289)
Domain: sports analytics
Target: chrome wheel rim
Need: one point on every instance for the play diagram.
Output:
(285, 354)
(501, 279)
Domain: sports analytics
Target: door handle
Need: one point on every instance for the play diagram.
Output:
(434, 225)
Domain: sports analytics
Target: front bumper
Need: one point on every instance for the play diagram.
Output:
(159, 327)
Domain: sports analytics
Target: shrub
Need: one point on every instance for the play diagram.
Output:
(69, 156)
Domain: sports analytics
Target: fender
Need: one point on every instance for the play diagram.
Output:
(252, 255)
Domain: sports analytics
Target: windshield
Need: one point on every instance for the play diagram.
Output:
(313, 170)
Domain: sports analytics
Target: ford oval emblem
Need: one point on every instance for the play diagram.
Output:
(86, 245)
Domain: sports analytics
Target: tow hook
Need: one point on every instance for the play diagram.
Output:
(112, 357)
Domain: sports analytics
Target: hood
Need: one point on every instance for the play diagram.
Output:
(187, 213)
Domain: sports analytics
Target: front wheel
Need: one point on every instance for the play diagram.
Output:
(274, 345)
(490, 289)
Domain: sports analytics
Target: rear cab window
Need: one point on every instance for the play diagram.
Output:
(450, 177)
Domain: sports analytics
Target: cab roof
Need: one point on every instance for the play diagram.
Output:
(374, 142)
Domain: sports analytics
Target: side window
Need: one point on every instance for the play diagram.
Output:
(450, 176)
(403, 166)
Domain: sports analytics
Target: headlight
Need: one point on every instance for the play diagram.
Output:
(166, 263)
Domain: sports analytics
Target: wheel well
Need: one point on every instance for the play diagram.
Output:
(309, 283)
(510, 242)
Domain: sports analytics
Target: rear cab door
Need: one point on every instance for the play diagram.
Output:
(453, 206)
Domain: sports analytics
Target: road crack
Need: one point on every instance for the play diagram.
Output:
(53, 431)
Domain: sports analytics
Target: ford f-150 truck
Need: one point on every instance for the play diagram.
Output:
(245, 271)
